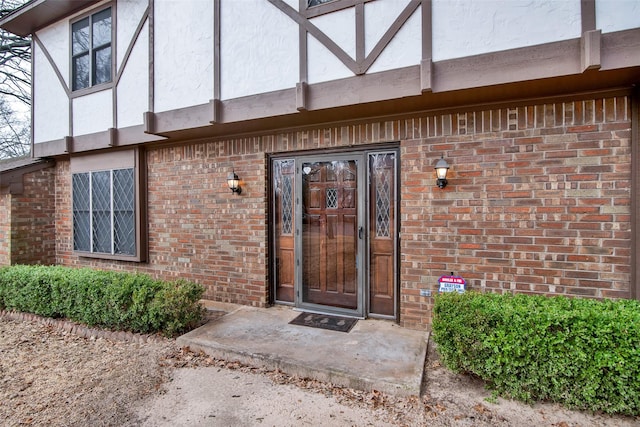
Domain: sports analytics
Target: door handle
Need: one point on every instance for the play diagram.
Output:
(360, 232)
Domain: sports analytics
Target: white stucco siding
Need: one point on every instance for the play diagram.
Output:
(50, 102)
(183, 54)
(322, 65)
(617, 15)
(378, 17)
(93, 113)
(295, 4)
(55, 39)
(259, 49)
(405, 49)
(129, 13)
(133, 87)
(467, 27)
(340, 27)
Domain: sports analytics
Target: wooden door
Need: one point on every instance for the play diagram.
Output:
(330, 233)
(283, 178)
(382, 232)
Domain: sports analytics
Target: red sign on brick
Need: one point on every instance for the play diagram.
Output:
(451, 284)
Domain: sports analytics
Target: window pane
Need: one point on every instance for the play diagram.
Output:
(102, 65)
(102, 28)
(101, 204)
(81, 213)
(317, 2)
(80, 36)
(123, 212)
(81, 72)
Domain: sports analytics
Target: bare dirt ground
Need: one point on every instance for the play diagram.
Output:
(56, 374)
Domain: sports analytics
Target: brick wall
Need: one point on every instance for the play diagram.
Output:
(27, 225)
(538, 201)
(5, 229)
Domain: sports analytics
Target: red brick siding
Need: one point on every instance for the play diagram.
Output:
(538, 201)
(5, 228)
(28, 229)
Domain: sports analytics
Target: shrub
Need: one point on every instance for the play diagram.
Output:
(582, 353)
(114, 300)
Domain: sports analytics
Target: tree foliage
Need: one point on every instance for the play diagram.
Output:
(15, 88)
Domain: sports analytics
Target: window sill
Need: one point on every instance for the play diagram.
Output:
(129, 258)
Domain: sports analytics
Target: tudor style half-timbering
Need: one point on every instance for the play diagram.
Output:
(333, 113)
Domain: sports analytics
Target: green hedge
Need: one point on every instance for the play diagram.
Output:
(112, 300)
(582, 353)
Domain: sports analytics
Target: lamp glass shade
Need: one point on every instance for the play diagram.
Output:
(233, 181)
(441, 169)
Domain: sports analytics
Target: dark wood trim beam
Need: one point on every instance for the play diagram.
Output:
(427, 29)
(301, 96)
(217, 81)
(527, 63)
(152, 56)
(426, 73)
(590, 50)
(588, 15)
(113, 137)
(216, 111)
(149, 122)
(68, 144)
(360, 34)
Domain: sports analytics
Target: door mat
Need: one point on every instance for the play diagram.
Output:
(324, 321)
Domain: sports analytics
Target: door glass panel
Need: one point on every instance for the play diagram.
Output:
(382, 231)
(329, 233)
(283, 216)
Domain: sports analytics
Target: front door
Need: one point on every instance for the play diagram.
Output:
(334, 233)
(331, 235)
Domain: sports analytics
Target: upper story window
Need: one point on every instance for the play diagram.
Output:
(91, 50)
(317, 2)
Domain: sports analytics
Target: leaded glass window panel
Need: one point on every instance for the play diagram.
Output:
(332, 198)
(104, 214)
(383, 202)
(287, 204)
(81, 212)
(124, 239)
(101, 211)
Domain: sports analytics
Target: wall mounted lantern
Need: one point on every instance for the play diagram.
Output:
(441, 172)
(234, 183)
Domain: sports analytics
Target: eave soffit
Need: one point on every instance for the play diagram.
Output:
(37, 14)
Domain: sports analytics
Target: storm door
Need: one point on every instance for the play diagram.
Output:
(335, 233)
(332, 234)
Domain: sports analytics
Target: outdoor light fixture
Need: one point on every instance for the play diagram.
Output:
(441, 172)
(234, 183)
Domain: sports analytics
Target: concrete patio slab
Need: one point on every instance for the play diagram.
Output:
(374, 355)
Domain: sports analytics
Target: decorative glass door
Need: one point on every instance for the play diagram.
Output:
(331, 234)
(334, 228)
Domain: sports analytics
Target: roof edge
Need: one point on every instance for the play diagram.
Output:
(37, 14)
